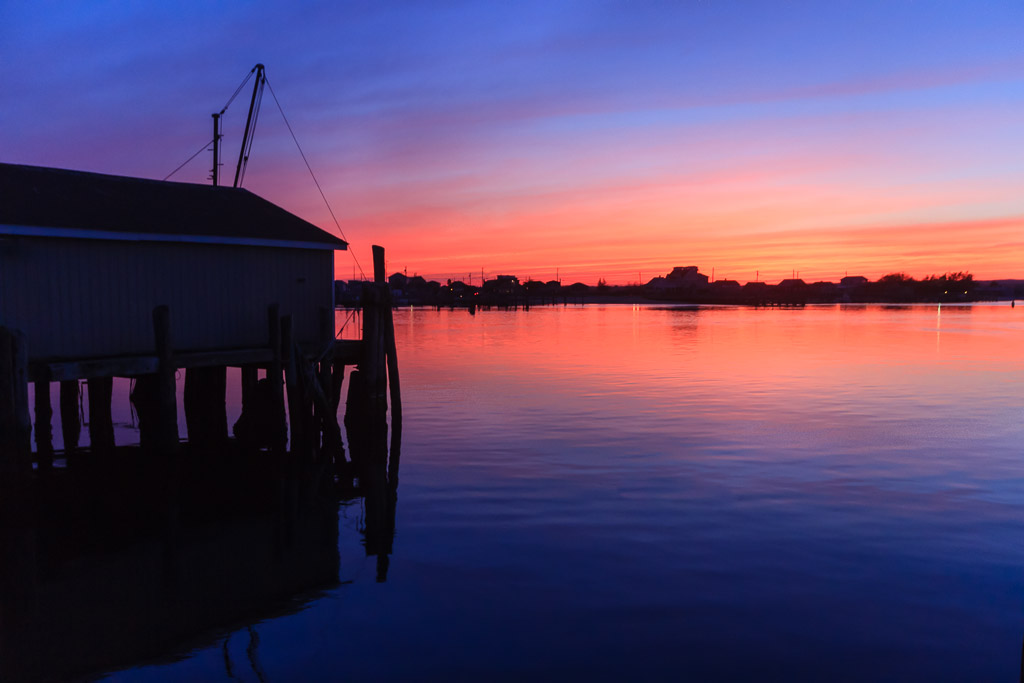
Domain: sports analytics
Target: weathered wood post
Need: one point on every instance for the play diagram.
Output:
(22, 419)
(44, 422)
(216, 382)
(323, 377)
(379, 274)
(8, 421)
(374, 333)
(70, 424)
(280, 427)
(388, 354)
(15, 423)
(206, 415)
(391, 355)
(295, 403)
(101, 424)
(372, 356)
(250, 377)
(166, 404)
(193, 401)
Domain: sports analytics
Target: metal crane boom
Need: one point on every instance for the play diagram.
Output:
(250, 123)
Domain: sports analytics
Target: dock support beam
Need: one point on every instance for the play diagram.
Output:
(295, 402)
(280, 430)
(101, 425)
(375, 299)
(250, 377)
(166, 404)
(44, 426)
(206, 414)
(70, 424)
(391, 356)
(22, 420)
(366, 408)
(326, 407)
(15, 424)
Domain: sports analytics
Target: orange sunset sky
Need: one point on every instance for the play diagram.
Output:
(595, 140)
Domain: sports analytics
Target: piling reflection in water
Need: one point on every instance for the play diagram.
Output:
(132, 557)
(376, 468)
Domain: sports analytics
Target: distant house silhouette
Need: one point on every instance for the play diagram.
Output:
(398, 282)
(681, 278)
(853, 281)
(756, 292)
(726, 288)
(502, 284)
(792, 291)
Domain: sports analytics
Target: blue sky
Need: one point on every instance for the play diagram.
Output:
(607, 138)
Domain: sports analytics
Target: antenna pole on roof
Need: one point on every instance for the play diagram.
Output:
(216, 149)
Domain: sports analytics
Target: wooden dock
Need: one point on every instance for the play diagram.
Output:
(131, 551)
(303, 402)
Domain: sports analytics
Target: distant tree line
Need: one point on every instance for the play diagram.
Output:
(687, 284)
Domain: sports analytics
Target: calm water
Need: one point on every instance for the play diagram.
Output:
(642, 493)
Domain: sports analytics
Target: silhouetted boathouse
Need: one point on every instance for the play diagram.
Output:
(104, 276)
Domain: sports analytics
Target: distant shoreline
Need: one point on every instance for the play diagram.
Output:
(687, 286)
(641, 301)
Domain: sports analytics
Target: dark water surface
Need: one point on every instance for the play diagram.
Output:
(642, 493)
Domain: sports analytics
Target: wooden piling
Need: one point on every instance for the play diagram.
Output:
(357, 418)
(206, 416)
(274, 377)
(382, 360)
(325, 418)
(332, 443)
(379, 276)
(216, 382)
(377, 300)
(337, 383)
(192, 400)
(22, 418)
(101, 424)
(250, 377)
(166, 404)
(372, 365)
(391, 355)
(8, 421)
(70, 424)
(291, 379)
(44, 424)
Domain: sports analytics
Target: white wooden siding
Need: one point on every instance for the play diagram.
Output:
(95, 298)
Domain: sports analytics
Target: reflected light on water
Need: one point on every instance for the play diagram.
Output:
(659, 493)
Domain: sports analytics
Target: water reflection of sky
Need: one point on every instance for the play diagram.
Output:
(612, 492)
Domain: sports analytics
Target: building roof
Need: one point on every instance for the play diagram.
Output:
(53, 202)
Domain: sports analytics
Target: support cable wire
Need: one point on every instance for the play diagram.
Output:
(207, 145)
(313, 175)
(245, 160)
(184, 163)
(238, 90)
